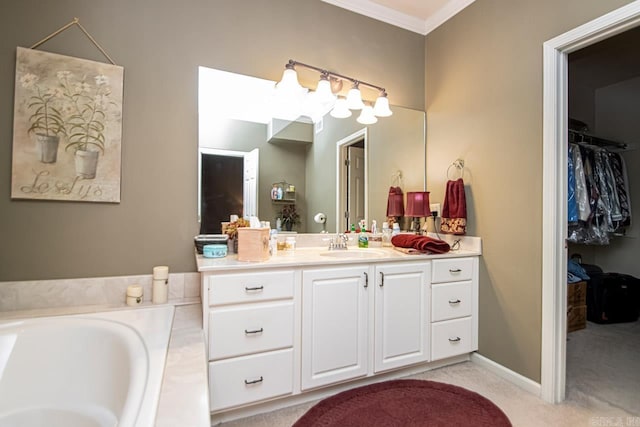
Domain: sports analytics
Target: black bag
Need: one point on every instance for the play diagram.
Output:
(613, 298)
(591, 269)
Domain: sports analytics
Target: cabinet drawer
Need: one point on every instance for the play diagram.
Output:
(250, 287)
(452, 270)
(450, 338)
(242, 380)
(450, 300)
(250, 329)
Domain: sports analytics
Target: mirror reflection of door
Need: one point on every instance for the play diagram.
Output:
(352, 180)
(355, 180)
(228, 186)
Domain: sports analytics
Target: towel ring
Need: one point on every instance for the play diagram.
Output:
(459, 165)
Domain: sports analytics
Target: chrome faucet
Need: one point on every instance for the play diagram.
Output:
(339, 243)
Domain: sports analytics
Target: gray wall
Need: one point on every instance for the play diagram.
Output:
(484, 105)
(161, 43)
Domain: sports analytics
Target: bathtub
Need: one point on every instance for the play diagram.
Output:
(92, 370)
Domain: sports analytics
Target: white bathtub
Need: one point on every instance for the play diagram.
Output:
(101, 369)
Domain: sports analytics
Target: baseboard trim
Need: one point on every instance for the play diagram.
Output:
(507, 374)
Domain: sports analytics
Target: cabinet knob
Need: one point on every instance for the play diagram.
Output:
(456, 339)
(256, 381)
(455, 301)
(253, 331)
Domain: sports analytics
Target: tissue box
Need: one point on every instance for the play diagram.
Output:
(253, 244)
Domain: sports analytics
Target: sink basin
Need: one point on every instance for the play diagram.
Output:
(354, 254)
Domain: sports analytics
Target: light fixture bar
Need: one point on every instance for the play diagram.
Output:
(293, 63)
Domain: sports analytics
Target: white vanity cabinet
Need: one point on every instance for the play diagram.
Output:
(402, 301)
(249, 325)
(339, 306)
(301, 326)
(335, 320)
(454, 310)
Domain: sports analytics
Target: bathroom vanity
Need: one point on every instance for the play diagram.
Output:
(312, 322)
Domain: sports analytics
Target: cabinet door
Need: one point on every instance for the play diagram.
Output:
(334, 325)
(401, 314)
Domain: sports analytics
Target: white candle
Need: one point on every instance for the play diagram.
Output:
(159, 295)
(160, 272)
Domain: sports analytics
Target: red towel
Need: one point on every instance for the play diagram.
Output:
(454, 209)
(421, 243)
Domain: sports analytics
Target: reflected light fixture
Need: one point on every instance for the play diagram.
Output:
(329, 85)
(367, 117)
(340, 109)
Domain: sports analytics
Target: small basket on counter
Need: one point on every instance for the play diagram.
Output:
(209, 239)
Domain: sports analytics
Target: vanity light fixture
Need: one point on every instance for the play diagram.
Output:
(329, 85)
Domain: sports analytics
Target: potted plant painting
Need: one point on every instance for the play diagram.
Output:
(290, 216)
(87, 108)
(47, 123)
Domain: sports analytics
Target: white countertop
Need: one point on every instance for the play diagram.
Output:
(320, 255)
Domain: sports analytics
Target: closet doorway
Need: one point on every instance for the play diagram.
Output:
(555, 108)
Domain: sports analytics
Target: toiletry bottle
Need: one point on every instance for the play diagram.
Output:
(363, 239)
(353, 228)
(396, 229)
(374, 227)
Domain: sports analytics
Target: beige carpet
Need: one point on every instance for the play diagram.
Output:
(522, 408)
(603, 361)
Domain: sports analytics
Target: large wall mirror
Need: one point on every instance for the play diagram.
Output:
(321, 165)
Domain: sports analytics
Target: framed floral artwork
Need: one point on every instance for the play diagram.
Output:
(67, 128)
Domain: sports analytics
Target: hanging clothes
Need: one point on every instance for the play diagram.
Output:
(599, 202)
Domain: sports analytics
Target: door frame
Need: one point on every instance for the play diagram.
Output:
(341, 176)
(554, 188)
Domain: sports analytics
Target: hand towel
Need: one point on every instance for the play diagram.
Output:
(454, 209)
(424, 244)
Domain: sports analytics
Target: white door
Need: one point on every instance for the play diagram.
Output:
(334, 325)
(356, 169)
(250, 187)
(402, 305)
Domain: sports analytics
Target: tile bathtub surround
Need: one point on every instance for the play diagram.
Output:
(98, 291)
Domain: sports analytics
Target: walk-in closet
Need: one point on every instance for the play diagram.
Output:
(603, 362)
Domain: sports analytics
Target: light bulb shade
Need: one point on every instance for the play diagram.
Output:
(395, 202)
(289, 81)
(381, 108)
(367, 117)
(354, 99)
(340, 109)
(323, 92)
(418, 204)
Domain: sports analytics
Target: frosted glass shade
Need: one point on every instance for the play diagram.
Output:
(323, 92)
(381, 109)
(289, 81)
(354, 99)
(340, 109)
(367, 117)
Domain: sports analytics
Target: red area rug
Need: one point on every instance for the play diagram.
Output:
(405, 403)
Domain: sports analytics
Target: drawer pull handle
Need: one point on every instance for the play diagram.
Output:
(454, 270)
(255, 331)
(456, 339)
(455, 301)
(259, 380)
(366, 280)
(254, 288)
(381, 279)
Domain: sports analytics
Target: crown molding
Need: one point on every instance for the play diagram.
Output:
(399, 19)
